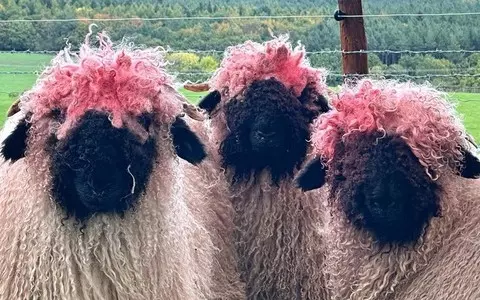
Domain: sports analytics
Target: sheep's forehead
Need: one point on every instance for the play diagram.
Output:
(252, 61)
(124, 82)
(117, 82)
(421, 116)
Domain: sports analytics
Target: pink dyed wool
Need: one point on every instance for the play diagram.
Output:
(251, 61)
(124, 82)
(420, 115)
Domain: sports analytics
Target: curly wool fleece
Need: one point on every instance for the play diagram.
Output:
(443, 263)
(162, 249)
(245, 63)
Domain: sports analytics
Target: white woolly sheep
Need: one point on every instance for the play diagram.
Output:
(262, 101)
(401, 222)
(94, 203)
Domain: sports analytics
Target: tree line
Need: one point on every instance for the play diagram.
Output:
(418, 33)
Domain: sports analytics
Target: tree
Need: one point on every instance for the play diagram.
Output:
(184, 61)
(208, 63)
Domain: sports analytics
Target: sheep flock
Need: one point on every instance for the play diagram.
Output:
(273, 187)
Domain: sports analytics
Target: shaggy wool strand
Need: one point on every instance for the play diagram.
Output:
(248, 62)
(422, 116)
(209, 188)
(279, 240)
(454, 271)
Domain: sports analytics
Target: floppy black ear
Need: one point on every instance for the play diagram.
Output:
(470, 167)
(187, 144)
(210, 101)
(311, 98)
(312, 176)
(322, 103)
(15, 145)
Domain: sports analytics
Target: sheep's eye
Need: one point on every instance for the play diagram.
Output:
(145, 120)
(58, 115)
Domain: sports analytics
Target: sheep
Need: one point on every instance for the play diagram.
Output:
(94, 202)
(261, 102)
(401, 221)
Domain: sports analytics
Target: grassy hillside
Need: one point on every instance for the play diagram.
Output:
(13, 84)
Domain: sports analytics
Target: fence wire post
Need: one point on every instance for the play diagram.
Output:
(353, 38)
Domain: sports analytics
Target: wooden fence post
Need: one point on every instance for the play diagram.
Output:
(353, 38)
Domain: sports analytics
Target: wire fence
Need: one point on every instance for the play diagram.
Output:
(329, 74)
(335, 51)
(200, 76)
(448, 78)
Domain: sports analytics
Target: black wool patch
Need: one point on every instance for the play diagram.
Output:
(15, 145)
(210, 101)
(383, 188)
(187, 144)
(99, 168)
(268, 129)
(470, 166)
(312, 176)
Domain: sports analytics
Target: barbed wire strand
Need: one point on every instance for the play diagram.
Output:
(459, 70)
(237, 17)
(451, 14)
(330, 74)
(197, 18)
(379, 51)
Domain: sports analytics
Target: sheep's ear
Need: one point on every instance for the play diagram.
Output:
(15, 145)
(311, 98)
(322, 103)
(210, 101)
(470, 166)
(187, 144)
(312, 176)
(14, 108)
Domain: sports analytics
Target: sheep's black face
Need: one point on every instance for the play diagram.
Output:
(268, 129)
(100, 168)
(383, 188)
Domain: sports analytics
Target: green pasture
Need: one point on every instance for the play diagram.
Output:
(11, 85)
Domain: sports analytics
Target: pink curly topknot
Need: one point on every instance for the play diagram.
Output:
(123, 82)
(245, 63)
(420, 115)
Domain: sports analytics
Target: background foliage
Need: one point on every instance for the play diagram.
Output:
(399, 33)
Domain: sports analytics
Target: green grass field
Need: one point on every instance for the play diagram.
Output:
(13, 84)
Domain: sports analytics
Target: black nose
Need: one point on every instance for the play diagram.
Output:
(390, 210)
(266, 135)
(386, 199)
(99, 168)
